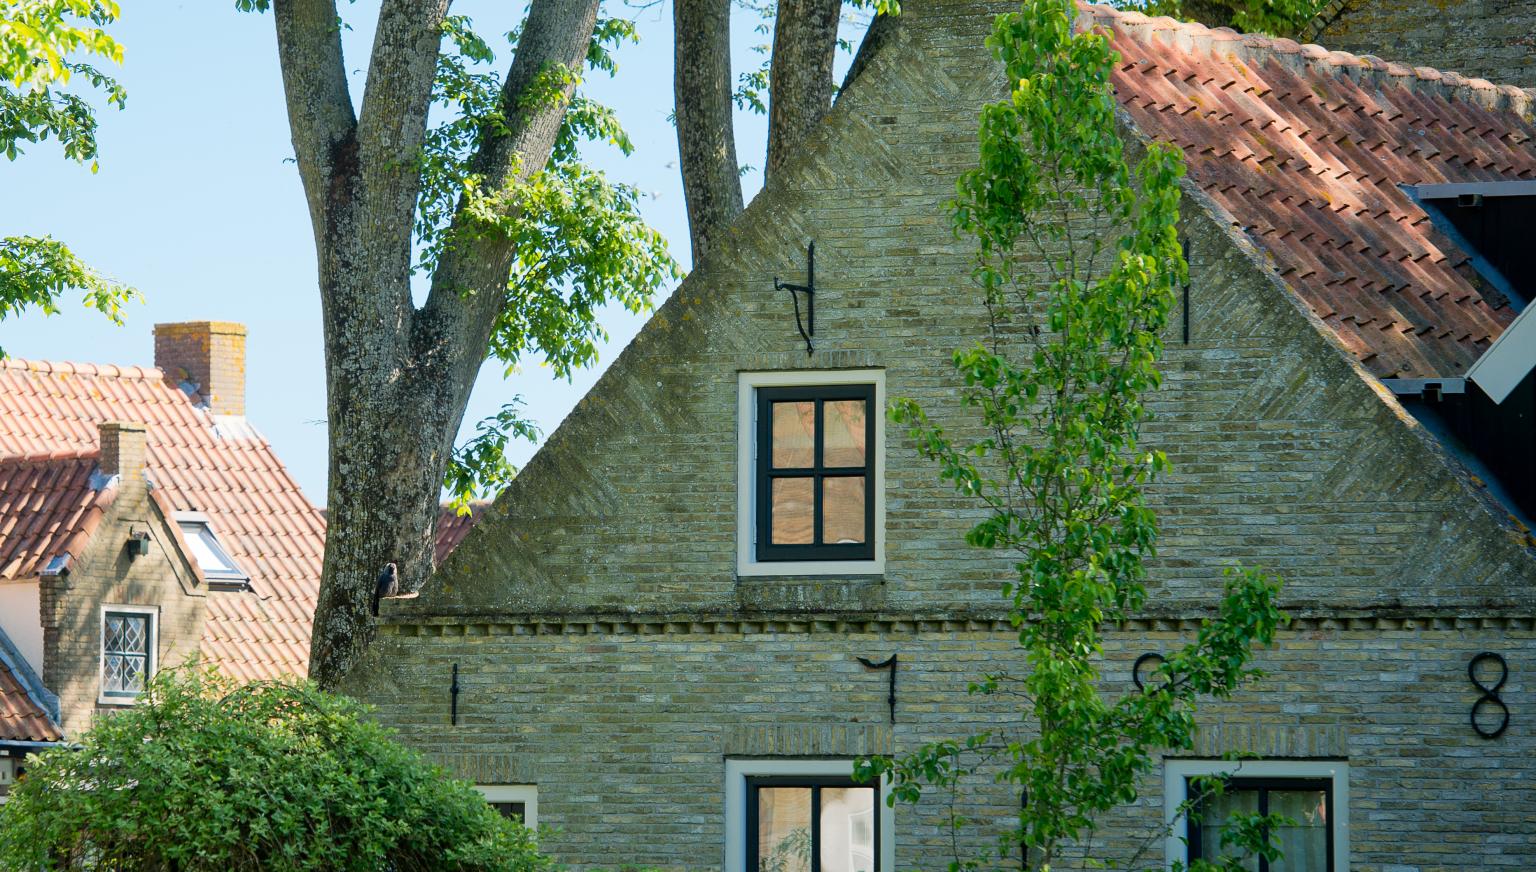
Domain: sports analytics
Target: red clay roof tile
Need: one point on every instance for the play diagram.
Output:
(1304, 150)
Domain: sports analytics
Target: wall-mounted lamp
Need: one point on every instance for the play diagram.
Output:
(138, 544)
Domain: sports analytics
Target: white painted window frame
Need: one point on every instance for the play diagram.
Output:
(527, 794)
(152, 644)
(739, 769)
(1175, 793)
(747, 563)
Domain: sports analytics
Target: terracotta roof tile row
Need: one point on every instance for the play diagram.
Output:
(21, 718)
(1305, 150)
(49, 506)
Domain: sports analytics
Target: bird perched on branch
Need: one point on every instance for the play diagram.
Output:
(388, 585)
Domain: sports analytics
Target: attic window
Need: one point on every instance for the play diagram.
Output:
(1492, 222)
(218, 567)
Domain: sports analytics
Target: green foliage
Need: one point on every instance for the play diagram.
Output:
(480, 466)
(1078, 258)
(205, 775)
(40, 43)
(1274, 17)
(34, 271)
(580, 240)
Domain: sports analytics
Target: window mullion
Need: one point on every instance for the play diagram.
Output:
(817, 456)
(815, 829)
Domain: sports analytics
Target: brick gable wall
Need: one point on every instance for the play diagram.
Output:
(609, 653)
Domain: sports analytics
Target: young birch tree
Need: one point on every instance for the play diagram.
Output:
(1077, 260)
(519, 241)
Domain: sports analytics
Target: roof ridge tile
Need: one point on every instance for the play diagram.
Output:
(1255, 49)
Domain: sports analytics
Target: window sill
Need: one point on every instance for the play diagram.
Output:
(810, 568)
(119, 701)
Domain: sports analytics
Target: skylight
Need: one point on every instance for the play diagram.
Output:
(215, 562)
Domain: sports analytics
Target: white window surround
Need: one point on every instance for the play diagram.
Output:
(738, 770)
(152, 643)
(527, 794)
(1175, 793)
(746, 479)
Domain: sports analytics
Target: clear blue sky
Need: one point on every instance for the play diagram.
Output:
(198, 205)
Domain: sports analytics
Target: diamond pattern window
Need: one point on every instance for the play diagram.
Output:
(127, 652)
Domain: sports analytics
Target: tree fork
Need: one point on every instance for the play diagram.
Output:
(800, 81)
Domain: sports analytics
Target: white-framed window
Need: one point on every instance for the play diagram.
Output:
(128, 638)
(782, 813)
(217, 565)
(1314, 794)
(517, 801)
(811, 472)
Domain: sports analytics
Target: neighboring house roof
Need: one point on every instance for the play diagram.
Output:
(217, 465)
(51, 499)
(21, 718)
(1304, 150)
(452, 527)
(50, 505)
(28, 712)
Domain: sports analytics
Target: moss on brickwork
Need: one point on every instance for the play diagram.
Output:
(1485, 39)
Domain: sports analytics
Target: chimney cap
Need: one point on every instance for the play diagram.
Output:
(218, 327)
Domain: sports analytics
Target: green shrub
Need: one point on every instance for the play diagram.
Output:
(207, 775)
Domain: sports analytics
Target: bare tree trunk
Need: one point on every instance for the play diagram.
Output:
(398, 377)
(800, 81)
(706, 136)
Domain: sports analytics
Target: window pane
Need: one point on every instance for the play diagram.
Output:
(843, 433)
(847, 829)
(135, 633)
(514, 810)
(842, 510)
(794, 435)
(784, 829)
(133, 674)
(1305, 845)
(1215, 811)
(114, 638)
(792, 511)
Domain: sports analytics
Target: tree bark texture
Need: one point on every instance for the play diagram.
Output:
(398, 377)
(800, 80)
(706, 136)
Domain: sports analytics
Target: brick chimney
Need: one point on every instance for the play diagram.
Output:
(208, 356)
(124, 451)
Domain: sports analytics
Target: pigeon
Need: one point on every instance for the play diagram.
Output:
(389, 585)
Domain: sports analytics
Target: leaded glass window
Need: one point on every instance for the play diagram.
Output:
(127, 648)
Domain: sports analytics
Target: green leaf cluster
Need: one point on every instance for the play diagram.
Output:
(35, 271)
(207, 775)
(41, 42)
(580, 240)
(1078, 258)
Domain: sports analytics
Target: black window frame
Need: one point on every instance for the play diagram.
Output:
(1263, 786)
(815, 783)
(513, 809)
(147, 655)
(764, 473)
